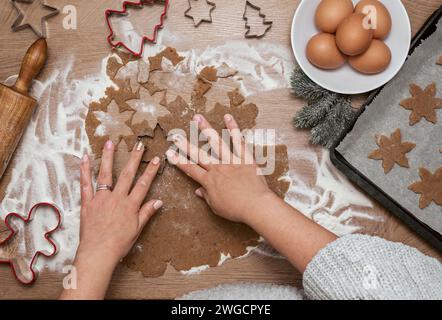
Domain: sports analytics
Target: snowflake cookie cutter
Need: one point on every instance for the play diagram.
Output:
(19, 276)
(263, 16)
(139, 4)
(196, 24)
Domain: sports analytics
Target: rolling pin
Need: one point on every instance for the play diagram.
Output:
(16, 106)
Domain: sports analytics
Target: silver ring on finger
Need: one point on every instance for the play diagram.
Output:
(104, 187)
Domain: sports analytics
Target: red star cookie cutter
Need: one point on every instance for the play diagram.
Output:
(47, 235)
(127, 4)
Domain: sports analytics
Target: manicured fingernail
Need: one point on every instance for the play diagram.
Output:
(228, 117)
(198, 118)
(170, 154)
(139, 146)
(109, 145)
(85, 159)
(158, 204)
(177, 138)
(156, 160)
(199, 193)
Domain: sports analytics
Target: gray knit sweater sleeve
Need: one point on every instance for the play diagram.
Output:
(364, 267)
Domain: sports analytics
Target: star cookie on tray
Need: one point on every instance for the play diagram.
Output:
(423, 103)
(430, 187)
(392, 150)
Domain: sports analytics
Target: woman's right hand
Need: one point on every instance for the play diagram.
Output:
(231, 186)
(236, 191)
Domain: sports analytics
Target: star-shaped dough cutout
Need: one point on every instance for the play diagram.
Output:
(113, 124)
(430, 187)
(33, 15)
(200, 11)
(423, 104)
(392, 150)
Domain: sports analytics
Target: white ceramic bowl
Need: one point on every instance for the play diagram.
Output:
(345, 79)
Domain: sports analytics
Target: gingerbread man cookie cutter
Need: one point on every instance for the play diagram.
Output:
(124, 11)
(17, 274)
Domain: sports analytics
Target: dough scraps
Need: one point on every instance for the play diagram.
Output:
(209, 74)
(423, 103)
(225, 71)
(168, 53)
(236, 98)
(430, 187)
(392, 150)
(117, 61)
(185, 233)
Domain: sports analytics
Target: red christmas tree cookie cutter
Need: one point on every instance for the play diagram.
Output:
(126, 5)
(47, 235)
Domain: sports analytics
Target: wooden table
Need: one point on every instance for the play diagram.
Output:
(88, 46)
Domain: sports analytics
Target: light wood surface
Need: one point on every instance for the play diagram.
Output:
(88, 46)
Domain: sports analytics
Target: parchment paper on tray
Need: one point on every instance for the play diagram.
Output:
(384, 115)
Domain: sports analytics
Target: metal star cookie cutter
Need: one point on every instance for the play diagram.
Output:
(17, 25)
(11, 262)
(126, 5)
(186, 13)
(268, 23)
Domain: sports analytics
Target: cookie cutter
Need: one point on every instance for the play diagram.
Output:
(47, 235)
(268, 23)
(17, 25)
(187, 15)
(126, 5)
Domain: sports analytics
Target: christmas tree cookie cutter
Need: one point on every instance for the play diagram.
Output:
(190, 16)
(269, 24)
(16, 269)
(126, 5)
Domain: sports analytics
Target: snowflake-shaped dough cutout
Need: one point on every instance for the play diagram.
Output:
(147, 109)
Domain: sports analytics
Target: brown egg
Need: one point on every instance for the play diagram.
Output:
(352, 37)
(379, 17)
(330, 13)
(376, 59)
(323, 52)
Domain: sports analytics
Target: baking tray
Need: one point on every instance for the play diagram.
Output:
(425, 231)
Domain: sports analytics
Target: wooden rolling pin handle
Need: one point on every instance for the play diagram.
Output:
(31, 66)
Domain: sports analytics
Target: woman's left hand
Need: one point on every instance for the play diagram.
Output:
(111, 220)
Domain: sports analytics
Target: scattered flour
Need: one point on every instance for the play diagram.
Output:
(329, 197)
(46, 165)
(47, 160)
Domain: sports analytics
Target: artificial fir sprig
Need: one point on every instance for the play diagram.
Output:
(327, 114)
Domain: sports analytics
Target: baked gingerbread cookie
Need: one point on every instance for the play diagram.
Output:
(430, 187)
(392, 151)
(423, 103)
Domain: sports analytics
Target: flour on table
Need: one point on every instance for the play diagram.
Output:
(46, 166)
(328, 199)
